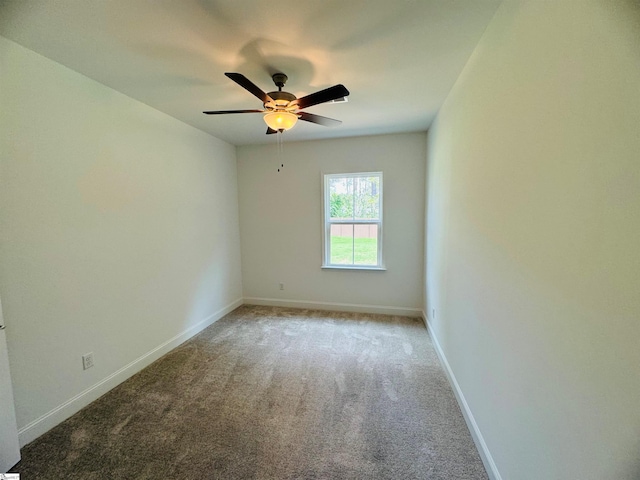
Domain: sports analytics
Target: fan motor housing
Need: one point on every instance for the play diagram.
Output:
(281, 100)
(282, 96)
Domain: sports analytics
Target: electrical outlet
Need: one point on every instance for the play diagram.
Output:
(87, 361)
(281, 286)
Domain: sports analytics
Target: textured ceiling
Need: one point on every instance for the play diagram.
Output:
(399, 59)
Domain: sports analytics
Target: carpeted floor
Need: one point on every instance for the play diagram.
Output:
(273, 393)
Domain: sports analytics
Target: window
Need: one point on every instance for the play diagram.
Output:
(353, 220)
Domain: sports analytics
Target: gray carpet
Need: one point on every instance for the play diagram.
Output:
(273, 393)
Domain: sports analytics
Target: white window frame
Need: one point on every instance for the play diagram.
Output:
(327, 222)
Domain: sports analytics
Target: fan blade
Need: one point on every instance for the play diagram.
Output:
(221, 112)
(326, 95)
(271, 131)
(320, 120)
(247, 84)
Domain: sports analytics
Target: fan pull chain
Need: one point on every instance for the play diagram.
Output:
(280, 145)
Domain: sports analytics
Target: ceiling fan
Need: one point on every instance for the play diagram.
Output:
(283, 109)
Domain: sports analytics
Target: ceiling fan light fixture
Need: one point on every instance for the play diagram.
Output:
(283, 109)
(280, 120)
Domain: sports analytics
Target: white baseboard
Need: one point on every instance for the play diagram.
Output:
(483, 450)
(424, 319)
(52, 418)
(342, 307)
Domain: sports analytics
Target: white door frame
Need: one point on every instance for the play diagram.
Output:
(9, 444)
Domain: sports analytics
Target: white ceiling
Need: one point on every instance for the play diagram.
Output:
(399, 59)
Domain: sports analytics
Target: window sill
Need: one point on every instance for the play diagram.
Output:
(353, 267)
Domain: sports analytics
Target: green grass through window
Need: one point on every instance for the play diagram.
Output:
(366, 251)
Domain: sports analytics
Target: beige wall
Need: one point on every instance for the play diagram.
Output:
(532, 239)
(119, 233)
(281, 222)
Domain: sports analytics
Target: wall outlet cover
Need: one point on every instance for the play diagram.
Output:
(87, 361)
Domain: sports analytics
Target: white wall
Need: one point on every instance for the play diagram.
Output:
(119, 232)
(281, 223)
(533, 234)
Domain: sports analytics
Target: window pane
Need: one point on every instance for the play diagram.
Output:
(367, 198)
(351, 199)
(341, 244)
(341, 198)
(366, 244)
